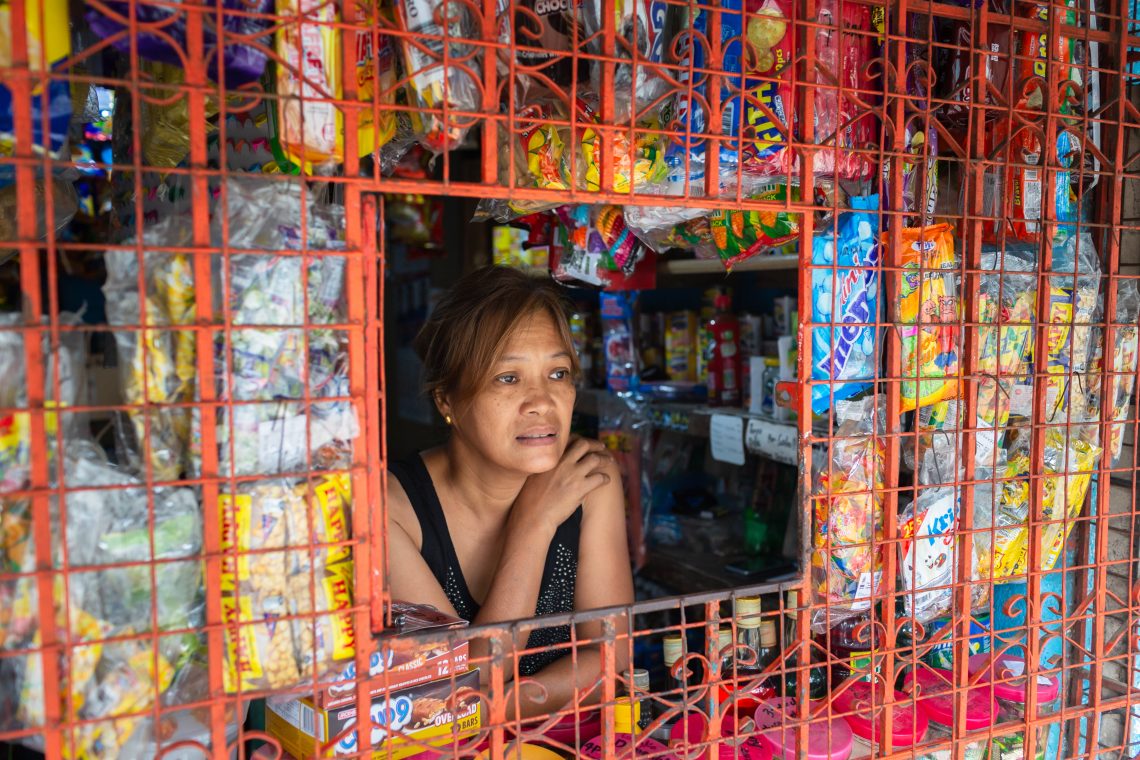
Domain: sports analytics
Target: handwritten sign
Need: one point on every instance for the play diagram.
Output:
(778, 442)
(726, 433)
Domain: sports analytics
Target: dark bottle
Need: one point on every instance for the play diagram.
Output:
(754, 636)
(817, 674)
(853, 644)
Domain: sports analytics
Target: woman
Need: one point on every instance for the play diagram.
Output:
(512, 517)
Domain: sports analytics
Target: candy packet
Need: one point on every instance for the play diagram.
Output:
(432, 86)
(929, 313)
(741, 234)
(927, 557)
(1125, 348)
(1007, 311)
(600, 250)
(618, 310)
(1074, 297)
(845, 291)
(1012, 190)
(642, 28)
(1036, 55)
(919, 173)
(847, 508)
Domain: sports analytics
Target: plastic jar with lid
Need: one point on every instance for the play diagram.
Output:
(692, 731)
(827, 739)
(936, 699)
(1006, 675)
(855, 703)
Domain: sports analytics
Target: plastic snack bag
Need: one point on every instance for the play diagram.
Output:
(644, 26)
(431, 85)
(1007, 311)
(1074, 297)
(1125, 349)
(919, 173)
(847, 295)
(927, 557)
(929, 310)
(544, 37)
(162, 36)
(311, 127)
(843, 49)
(1036, 55)
(848, 512)
(740, 235)
(165, 371)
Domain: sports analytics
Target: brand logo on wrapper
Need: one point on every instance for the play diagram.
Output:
(392, 715)
(378, 663)
(856, 315)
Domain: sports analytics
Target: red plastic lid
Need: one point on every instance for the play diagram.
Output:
(936, 698)
(827, 739)
(694, 729)
(855, 703)
(569, 729)
(1006, 673)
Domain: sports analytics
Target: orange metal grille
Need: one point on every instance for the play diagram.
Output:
(177, 673)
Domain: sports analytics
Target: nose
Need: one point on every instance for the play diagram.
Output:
(538, 399)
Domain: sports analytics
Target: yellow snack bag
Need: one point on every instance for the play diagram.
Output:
(929, 312)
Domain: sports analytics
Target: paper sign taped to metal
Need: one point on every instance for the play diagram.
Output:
(773, 440)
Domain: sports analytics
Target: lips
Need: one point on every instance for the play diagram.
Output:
(538, 436)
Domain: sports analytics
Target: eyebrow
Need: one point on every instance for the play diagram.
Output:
(514, 358)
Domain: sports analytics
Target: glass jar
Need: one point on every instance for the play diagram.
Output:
(827, 739)
(857, 704)
(1005, 674)
(936, 699)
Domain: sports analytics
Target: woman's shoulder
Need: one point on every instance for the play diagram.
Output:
(401, 513)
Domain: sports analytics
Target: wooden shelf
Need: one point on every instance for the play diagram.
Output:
(715, 266)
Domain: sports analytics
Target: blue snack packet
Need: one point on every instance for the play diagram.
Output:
(848, 360)
(618, 310)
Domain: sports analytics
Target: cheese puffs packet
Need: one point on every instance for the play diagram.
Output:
(929, 312)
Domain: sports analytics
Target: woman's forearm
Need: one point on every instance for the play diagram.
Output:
(561, 680)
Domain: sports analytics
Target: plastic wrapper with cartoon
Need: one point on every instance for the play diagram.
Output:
(847, 509)
(928, 311)
(927, 557)
(289, 298)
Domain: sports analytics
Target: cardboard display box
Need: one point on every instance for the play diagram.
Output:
(427, 712)
(398, 661)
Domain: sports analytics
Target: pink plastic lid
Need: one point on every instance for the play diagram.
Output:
(1007, 675)
(569, 729)
(693, 730)
(827, 739)
(936, 699)
(908, 725)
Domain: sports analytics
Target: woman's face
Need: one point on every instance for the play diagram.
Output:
(519, 419)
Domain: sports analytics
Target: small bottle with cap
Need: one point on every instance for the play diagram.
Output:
(673, 649)
(758, 647)
(638, 680)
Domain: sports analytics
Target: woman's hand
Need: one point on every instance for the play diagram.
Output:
(547, 499)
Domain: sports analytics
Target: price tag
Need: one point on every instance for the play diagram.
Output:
(779, 443)
(726, 433)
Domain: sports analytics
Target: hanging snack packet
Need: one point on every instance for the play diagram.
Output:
(544, 34)
(919, 173)
(618, 341)
(740, 235)
(928, 562)
(1074, 297)
(1036, 55)
(1007, 309)
(1125, 348)
(644, 28)
(310, 124)
(847, 506)
(845, 291)
(431, 85)
(843, 50)
(929, 311)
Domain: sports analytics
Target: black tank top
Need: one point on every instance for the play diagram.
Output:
(555, 594)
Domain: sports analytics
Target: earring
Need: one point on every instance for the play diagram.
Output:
(447, 419)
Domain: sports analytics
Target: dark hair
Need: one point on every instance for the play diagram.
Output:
(468, 329)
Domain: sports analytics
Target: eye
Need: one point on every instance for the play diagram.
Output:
(560, 374)
(507, 379)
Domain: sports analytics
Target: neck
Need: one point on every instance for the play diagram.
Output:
(481, 486)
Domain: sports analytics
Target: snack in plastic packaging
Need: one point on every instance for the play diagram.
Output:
(311, 126)
(306, 572)
(919, 173)
(432, 85)
(157, 364)
(647, 28)
(167, 43)
(843, 50)
(1007, 311)
(1074, 298)
(598, 249)
(1125, 347)
(845, 291)
(1035, 55)
(618, 311)
(929, 310)
(48, 42)
(741, 234)
(544, 37)
(847, 507)
(927, 558)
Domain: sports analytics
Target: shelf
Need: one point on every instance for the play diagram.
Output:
(715, 266)
(694, 419)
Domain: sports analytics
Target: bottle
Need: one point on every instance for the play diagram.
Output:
(673, 648)
(724, 361)
(626, 718)
(754, 635)
(723, 642)
(817, 674)
(852, 643)
(639, 678)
